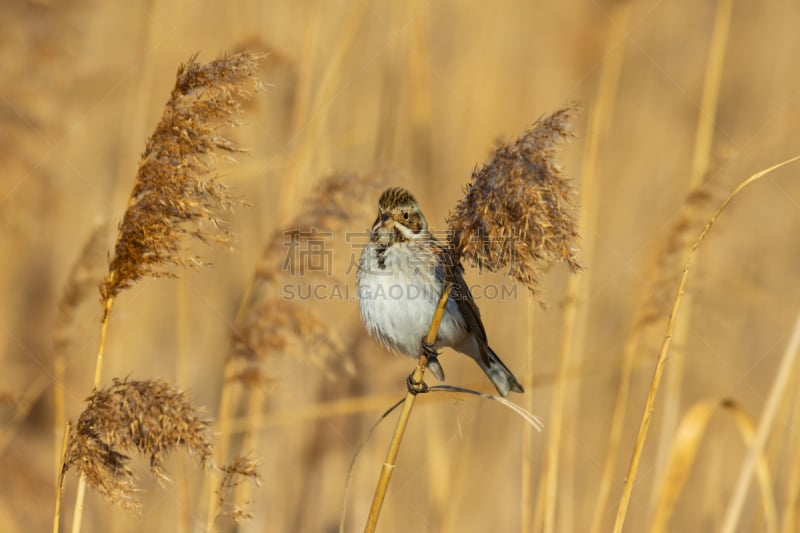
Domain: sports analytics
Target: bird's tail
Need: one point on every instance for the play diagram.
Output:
(499, 373)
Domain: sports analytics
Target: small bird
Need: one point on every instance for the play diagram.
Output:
(400, 278)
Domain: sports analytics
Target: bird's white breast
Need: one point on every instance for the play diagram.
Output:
(398, 296)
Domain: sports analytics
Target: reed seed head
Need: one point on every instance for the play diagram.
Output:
(84, 275)
(149, 417)
(671, 256)
(240, 470)
(271, 323)
(175, 197)
(517, 214)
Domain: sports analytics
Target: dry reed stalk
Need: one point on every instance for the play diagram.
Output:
(700, 165)
(779, 449)
(267, 323)
(653, 305)
(305, 69)
(84, 276)
(678, 245)
(629, 352)
(563, 410)
(515, 216)
(704, 133)
(791, 499)
(149, 417)
(387, 126)
(405, 415)
(526, 473)
(62, 457)
(239, 471)
(22, 407)
(419, 68)
(683, 451)
(223, 429)
(175, 198)
(644, 425)
(182, 380)
(313, 413)
(308, 136)
(776, 393)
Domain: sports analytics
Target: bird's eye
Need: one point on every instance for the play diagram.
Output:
(405, 215)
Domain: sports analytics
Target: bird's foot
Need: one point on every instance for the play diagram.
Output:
(416, 387)
(428, 349)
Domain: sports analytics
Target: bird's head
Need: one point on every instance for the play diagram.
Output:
(399, 217)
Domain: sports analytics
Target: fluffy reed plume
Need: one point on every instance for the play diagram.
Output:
(517, 213)
(693, 215)
(174, 196)
(150, 417)
(338, 203)
(278, 326)
(86, 273)
(272, 323)
(239, 471)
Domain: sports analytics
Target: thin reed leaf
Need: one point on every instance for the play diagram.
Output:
(701, 157)
(644, 425)
(776, 393)
(688, 437)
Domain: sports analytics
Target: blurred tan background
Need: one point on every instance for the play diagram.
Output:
(423, 90)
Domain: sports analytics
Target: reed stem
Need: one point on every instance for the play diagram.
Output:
(60, 479)
(405, 414)
(647, 414)
(77, 514)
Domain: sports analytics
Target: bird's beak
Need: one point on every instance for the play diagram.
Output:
(383, 221)
(386, 220)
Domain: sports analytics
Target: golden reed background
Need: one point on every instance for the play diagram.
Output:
(421, 90)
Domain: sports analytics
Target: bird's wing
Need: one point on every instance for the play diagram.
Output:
(461, 295)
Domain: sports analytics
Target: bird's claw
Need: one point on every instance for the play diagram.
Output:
(416, 387)
(428, 349)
